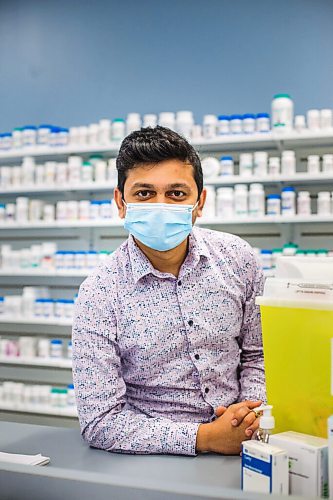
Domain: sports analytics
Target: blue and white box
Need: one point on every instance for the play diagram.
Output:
(264, 468)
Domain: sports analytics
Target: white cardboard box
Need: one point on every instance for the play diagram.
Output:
(308, 463)
(264, 468)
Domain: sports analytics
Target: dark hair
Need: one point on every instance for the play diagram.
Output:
(153, 145)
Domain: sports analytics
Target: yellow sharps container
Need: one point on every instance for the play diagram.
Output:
(298, 353)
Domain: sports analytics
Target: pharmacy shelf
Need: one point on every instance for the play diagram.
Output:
(298, 178)
(63, 273)
(38, 409)
(78, 187)
(204, 221)
(49, 362)
(35, 321)
(220, 143)
(230, 180)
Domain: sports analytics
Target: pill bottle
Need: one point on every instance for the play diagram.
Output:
(225, 203)
(59, 308)
(226, 165)
(209, 126)
(22, 209)
(324, 203)
(167, 119)
(83, 135)
(94, 209)
(43, 348)
(61, 173)
(69, 308)
(17, 138)
(62, 394)
(43, 134)
(223, 125)
(282, 112)
(133, 122)
(249, 123)
(28, 170)
(256, 200)
(93, 133)
(184, 123)
(72, 210)
(105, 209)
(288, 163)
(325, 119)
(236, 125)
(303, 203)
(245, 164)
(84, 209)
(313, 164)
(56, 348)
(50, 172)
(74, 135)
(266, 259)
(260, 159)
(313, 119)
(7, 141)
(300, 123)
(328, 163)
(87, 172)
(210, 167)
(69, 259)
(263, 122)
(49, 213)
(104, 135)
(276, 253)
(150, 120)
(210, 204)
(69, 350)
(92, 259)
(29, 136)
(70, 395)
(273, 204)
(100, 171)
(288, 201)
(118, 129)
(48, 307)
(274, 166)
(10, 212)
(63, 136)
(27, 347)
(241, 200)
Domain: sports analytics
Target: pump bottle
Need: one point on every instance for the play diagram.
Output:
(266, 423)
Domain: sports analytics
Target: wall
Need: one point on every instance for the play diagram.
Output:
(76, 61)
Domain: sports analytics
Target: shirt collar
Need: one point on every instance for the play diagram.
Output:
(141, 265)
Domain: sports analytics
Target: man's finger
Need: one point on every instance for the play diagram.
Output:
(252, 428)
(220, 410)
(240, 414)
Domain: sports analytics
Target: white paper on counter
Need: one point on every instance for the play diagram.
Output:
(15, 458)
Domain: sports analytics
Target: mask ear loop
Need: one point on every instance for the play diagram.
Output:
(195, 206)
(124, 202)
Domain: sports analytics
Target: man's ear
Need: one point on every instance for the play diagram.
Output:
(118, 198)
(201, 202)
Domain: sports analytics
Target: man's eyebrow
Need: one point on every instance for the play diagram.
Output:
(144, 185)
(178, 185)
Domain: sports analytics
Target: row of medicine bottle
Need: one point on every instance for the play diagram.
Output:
(74, 171)
(35, 347)
(26, 396)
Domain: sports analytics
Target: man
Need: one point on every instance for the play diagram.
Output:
(167, 348)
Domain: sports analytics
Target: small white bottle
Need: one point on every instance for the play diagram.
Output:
(303, 203)
(167, 119)
(210, 205)
(104, 135)
(282, 112)
(260, 159)
(288, 201)
(149, 120)
(223, 125)
(326, 118)
(274, 166)
(87, 173)
(263, 123)
(236, 124)
(300, 123)
(100, 171)
(266, 424)
(313, 164)
(324, 203)
(249, 123)
(256, 200)
(133, 122)
(288, 163)
(245, 164)
(313, 119)
(266, 257)
(74, 135)
(56, 348)
(70, 395)
(226, 165)
(118, 129)
(93, 133)
(273, 204)
(225, 203)
(241, 200)
(209, 126)
(184, 123)
(210, 167)
(328, 163)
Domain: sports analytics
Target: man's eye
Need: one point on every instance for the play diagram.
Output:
(143, 194)
(177, 194)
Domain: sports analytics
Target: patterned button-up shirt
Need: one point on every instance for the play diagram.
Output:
(155, 354)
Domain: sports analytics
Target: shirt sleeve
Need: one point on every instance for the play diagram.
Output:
(252, 374)
(105, 420)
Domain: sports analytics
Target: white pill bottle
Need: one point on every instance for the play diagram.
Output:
(282, 112)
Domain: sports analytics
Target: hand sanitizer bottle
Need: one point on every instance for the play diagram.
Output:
(266, 423)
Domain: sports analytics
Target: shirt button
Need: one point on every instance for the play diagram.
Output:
(179, 282)
(207, 390)
(197, 356)
(190, 322)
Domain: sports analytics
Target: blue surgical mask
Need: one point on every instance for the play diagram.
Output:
(161, 226)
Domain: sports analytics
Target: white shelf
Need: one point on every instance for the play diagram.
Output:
(219, 143)
(298, 178)
(201, 221)
(51, 362)
(33, 188)
(39, 409)
(35, 321)
(70, 273)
